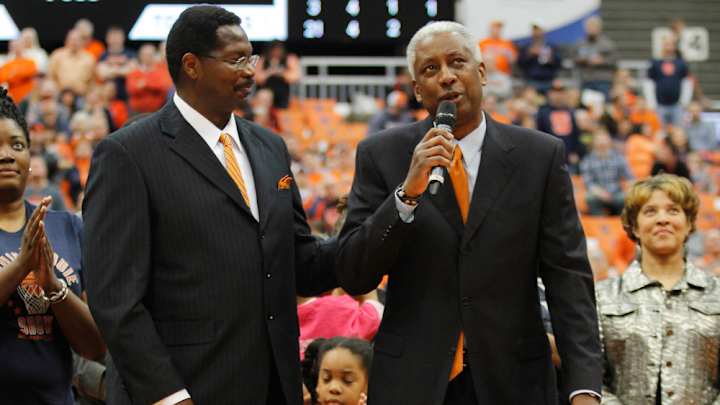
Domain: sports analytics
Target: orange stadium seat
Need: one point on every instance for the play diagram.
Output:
(318, 105)
(291, 122)
(579, 193)
(609, 233)
(709, 212)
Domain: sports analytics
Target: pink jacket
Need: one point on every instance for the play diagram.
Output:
(330, 316)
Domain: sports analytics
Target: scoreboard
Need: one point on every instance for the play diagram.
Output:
(372, 21)
(376, 22)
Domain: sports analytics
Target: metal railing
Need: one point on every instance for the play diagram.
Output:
(319, 82)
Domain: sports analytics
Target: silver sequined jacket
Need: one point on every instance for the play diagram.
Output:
(649, 334)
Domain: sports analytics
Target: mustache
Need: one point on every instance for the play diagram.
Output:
(250, 85)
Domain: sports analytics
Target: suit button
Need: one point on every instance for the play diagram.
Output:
(268, 275)
(668, 364)
(669, 332)
(271, 317)
(466, 301)
(262, 236)
(670, 393)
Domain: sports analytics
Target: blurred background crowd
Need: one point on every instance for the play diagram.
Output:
(618, 124)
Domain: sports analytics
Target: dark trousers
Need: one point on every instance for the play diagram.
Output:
(460, 390)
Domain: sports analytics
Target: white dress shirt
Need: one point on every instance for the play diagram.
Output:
(211, 135)
(471, 147)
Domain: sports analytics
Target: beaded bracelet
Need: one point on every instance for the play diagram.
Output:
(58, 296)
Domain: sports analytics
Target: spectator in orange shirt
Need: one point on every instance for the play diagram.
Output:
(502, 50)
(640, 151)
(31, 48)
(86, 30)
(149, 83)
(641, 115)
(71, 66)
(18, 73)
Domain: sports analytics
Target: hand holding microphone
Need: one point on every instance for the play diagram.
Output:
(432, 154)
(445, 120)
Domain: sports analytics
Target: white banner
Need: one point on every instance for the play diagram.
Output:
(8, 29)
(518, 15)
(260, 22)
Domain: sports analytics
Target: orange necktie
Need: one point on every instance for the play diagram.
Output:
(233, 168)
(462, 194)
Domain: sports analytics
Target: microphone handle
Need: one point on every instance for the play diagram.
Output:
(434, 187)
(436, 176)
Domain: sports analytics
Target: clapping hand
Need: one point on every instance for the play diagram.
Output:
(43, 262)
(31, 243)
(45, 273)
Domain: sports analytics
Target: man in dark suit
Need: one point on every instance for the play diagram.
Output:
(197, 240)
(462, 322)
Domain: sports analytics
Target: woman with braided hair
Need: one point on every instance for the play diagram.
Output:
(42, 314)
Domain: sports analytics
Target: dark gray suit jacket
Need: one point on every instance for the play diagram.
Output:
(480, 277)
(187, 288)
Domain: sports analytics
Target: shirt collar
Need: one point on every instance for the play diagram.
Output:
(206, 129)
(471, 144)
(634, 278)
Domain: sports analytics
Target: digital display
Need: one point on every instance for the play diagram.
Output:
(375, 21)
(299, 21)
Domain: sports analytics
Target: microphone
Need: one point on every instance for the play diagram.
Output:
(444, 119)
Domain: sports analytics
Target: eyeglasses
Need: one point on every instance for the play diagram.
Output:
(239, 64)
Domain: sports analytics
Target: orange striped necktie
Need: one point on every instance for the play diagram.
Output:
(232, 166)
(459, 179)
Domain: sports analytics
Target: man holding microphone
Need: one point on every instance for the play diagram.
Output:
(462, 323)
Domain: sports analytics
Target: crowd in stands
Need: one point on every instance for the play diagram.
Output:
(616, 129)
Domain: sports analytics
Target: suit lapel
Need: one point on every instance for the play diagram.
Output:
(496, 168)
(265, 185)
(446, 202)
(192, 148)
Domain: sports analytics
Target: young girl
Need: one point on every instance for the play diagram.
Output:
(336, 371)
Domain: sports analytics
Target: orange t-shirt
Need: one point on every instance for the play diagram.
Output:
(19, 74)
(502, 50)
(148, 90)
(646, 117)
(640, 155)
(96, 48)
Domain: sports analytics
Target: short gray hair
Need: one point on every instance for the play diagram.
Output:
(437, 27)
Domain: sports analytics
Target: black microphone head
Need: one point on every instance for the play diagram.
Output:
(445, 115)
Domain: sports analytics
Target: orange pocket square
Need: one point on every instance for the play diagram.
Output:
(284, 183)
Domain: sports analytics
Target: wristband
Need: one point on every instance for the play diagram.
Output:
(58, 296)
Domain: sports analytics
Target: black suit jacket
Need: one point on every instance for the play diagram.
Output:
(187, 288)
(480, 277)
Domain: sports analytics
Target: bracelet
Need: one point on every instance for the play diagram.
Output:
(406, 199)
(58, 296)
